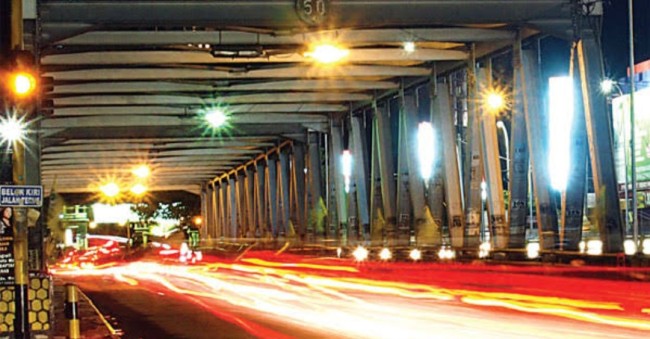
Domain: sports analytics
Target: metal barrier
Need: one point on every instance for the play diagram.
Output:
(72, 311)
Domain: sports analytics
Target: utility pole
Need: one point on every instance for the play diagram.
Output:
(635, 215)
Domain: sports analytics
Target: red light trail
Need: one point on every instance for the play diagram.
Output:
(388, 300)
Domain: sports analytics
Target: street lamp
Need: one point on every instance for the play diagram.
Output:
(327, 53)
(346, 169)
(409, 47)
(12, 130)
(138, 189)
(425, 150)
(110, 190)
(560, 121)
(506, 142)
(142, 171)
(216, 118)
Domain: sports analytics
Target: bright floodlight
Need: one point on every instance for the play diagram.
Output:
(385, 254)
(360, 254)
(532, 250)
(446, 253)
(425, 149)
(646, 246)
(594, 247)
(409, 47)
(139, 189)
(629, 246)
(110, 189)
(560, 122)
(11, 130)
(607, 86)
(216, 118)
(142, 171)
(346, 169)
(327, 53)
(484, 250)
(415, 254)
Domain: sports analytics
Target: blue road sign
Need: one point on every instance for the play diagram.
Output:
(21, 196)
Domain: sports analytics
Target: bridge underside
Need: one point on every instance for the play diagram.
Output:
(133, 81)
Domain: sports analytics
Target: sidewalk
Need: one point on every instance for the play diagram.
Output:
(93, 324)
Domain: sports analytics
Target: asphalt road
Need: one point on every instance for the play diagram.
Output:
(295, 298)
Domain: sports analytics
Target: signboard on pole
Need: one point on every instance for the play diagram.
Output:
(21, 196)
(6, 247)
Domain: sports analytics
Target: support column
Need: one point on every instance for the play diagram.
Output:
(234, 207)
(537, 128)
(286, 228)
(339, 186)
(424, 229)
(223, 210)
(436, 188)
(215, 210)
(361, 174)
(262, 229)
(473, 167)
(204, 209)
(250, 202)
(299, 184)
(384, 146)
(241, 205)
(444, 121)
(519, 158)
(601, 146)
(573, 199)
(492, 168)
(377, 220)
(317, 210)
(404, 219)
(272, 176)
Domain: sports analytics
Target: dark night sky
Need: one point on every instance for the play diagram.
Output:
(615, 35)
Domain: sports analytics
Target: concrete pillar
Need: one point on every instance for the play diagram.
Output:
(261, 217)
(386, 168)
(537, 128)
(377, 220)
(204, 209)
(241, 205)
(339, 185)
(436, 187)
(317, 210)
(519, 158)
(601, 146)
(212, 229)
(223, 210)
(361, 174)
(272, 176)
(444, 123)
(573, 199)
(250, 202)
(232, 192)
(404, 218)
(285, 229)
(299, 183)
(473, 164)
(492, 167)
(423, 229)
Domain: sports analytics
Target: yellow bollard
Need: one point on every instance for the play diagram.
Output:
(72, 311)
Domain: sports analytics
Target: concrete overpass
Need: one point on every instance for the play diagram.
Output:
(132, 80)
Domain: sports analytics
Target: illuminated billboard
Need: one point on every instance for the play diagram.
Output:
(621, 120)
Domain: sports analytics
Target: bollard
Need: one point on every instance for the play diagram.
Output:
(71, 310)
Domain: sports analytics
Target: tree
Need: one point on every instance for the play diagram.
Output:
(147, 211)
